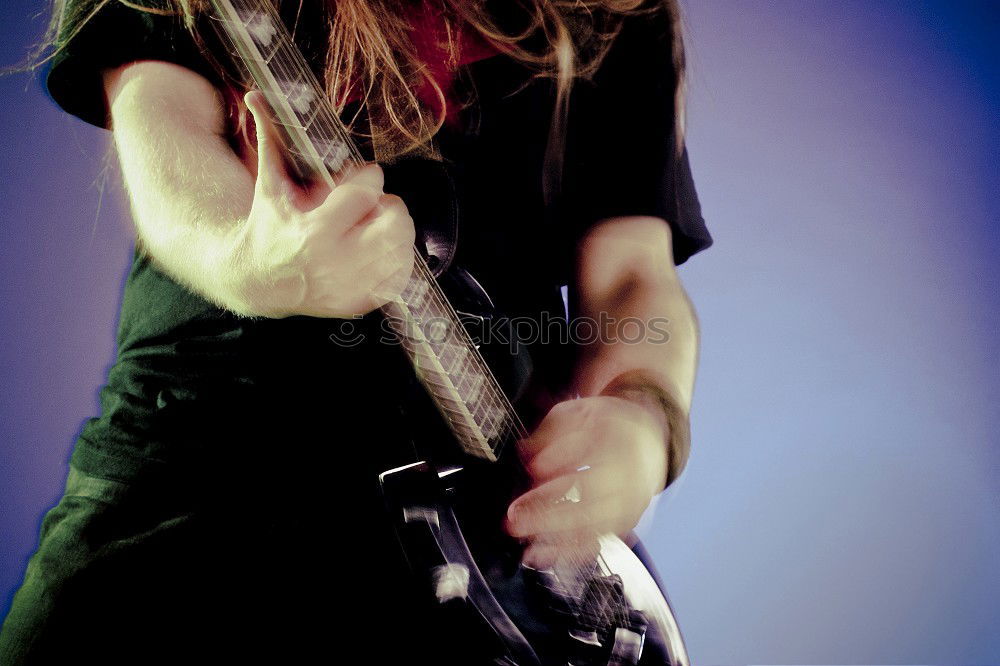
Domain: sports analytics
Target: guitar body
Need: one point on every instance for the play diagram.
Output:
(448, 512)
(496, 611)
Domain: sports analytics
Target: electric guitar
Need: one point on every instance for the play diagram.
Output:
(447, 510)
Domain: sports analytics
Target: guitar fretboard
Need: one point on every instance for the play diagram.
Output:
(443, 356)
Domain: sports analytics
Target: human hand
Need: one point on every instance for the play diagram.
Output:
(596, 463)
(309, 250)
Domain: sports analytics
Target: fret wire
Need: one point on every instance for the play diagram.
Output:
(463, 426)
(289, 125)
(309, 121)
(447, 397)
(451, 410)
(266, 59)
(450, 368)
(438, 384)
(477, 409)
(474, 390)
(460, 368)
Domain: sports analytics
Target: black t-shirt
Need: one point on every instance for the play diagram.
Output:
(193, 383)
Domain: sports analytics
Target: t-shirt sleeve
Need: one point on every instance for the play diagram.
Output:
(620, 157)
(116, 34)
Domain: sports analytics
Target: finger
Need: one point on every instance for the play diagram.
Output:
(564, 417)
(562, 549)
(367, 175)
(394, 274)
(540, 555)
(354, 200)
(548, 553)
(569, 521)
(549, 509)
(390, 249)
(388, 228)
(272, 175)
(566, 453)
(523, 512)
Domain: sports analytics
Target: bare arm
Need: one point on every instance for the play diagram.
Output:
(609, 448)
(626, 270)
(189, 191)
(245, 238)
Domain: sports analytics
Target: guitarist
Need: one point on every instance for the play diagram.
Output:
(224, 505)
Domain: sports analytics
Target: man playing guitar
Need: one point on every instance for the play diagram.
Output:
(225, 499)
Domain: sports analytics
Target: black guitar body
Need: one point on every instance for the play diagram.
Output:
(492, 609)
(448, 513)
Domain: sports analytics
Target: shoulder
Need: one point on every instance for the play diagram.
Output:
(96, 36)
(147, 92)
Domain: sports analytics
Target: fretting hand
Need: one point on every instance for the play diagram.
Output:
(313, 251)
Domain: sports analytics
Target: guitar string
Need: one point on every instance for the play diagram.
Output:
(510, 420)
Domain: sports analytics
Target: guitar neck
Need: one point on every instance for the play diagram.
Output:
(317, 141)
(445, 359)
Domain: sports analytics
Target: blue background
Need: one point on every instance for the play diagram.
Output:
(841, 504)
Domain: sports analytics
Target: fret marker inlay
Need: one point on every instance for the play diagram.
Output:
(262, 29)
(299, 95)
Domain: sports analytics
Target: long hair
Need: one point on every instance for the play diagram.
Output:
(370, 55)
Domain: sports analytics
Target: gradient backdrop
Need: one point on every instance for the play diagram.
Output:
(842, 504)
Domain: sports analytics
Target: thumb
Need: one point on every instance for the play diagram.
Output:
(272, 176)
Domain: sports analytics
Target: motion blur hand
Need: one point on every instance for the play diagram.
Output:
(596, 464)
(313, 251)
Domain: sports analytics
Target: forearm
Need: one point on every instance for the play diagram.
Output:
(649, 344)
(190, 193)
(649, 324)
